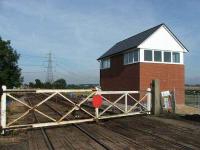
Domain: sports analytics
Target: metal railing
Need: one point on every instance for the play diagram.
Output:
(125, 103)
(192, 97)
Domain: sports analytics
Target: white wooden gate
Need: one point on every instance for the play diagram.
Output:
(125, 104)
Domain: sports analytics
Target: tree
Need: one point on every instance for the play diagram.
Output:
(31, 85)
(60, 84)
(10, 73)
(47, 85)
(38, 83)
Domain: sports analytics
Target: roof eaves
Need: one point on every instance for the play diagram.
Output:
(117, 53)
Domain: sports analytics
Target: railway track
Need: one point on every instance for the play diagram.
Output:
(46, 137)
(44, 133)
(110, 132)
(89, 134)
(157, 136)
(81, 129)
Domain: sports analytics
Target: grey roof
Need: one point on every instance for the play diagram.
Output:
(131, 42)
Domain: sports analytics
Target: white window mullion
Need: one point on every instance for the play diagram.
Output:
(171, 57)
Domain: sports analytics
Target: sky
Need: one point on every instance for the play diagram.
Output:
(77, 32)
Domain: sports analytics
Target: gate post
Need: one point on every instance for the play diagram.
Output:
(3, 110)
(156, 106)
(149, 100)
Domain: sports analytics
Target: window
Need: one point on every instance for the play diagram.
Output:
(167, 56)
(105, 63)
(131, 57)
(147, 55)
(158, 56)
(176, 57)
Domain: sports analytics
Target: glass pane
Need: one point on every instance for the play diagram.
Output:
(157, 56)
(130, 57)
(176, 57)
(135, 56)
(108, 63)
(147, 55)
(101, 64)
(167, 56)
(126, 58)
(105, 63)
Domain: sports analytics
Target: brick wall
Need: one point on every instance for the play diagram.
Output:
(171, 77)
(138, 76)
(119, 76)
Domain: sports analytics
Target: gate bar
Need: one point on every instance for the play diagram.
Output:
(47, 124)
(47, 90)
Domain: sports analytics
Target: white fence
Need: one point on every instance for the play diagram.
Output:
(129, 106)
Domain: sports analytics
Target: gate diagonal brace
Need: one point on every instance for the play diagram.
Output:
(74, 104)
(137, 102)
(112, 104)
(74, 108)
(31, 108)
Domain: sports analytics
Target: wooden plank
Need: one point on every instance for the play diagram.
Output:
(161, 131)
(71, 138)
(36, 140)
(112, 139)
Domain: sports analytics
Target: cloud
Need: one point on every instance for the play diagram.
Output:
(78, 32)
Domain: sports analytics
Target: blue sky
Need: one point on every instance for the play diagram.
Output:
(77, 32)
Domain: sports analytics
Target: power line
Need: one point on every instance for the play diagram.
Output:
(31, 56)
(33, 71)
(50, 67)
(29, 65)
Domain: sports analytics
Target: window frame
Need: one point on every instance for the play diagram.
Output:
(161, 54)
(107, 61)
(169, 57)
(151, 55)
(178, 57)
(126, 57)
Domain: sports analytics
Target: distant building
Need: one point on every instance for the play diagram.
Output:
(131, 64)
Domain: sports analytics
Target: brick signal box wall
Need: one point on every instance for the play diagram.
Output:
(138, 76)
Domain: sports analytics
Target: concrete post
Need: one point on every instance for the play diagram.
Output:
(156, 106)
(3, 109)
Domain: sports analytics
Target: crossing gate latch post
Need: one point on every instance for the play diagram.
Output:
(3, 110)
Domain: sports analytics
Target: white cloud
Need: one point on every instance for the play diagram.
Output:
(79, 33)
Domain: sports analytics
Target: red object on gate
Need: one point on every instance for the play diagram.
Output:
(97, 101)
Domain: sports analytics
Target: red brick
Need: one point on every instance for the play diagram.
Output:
(138, 76)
